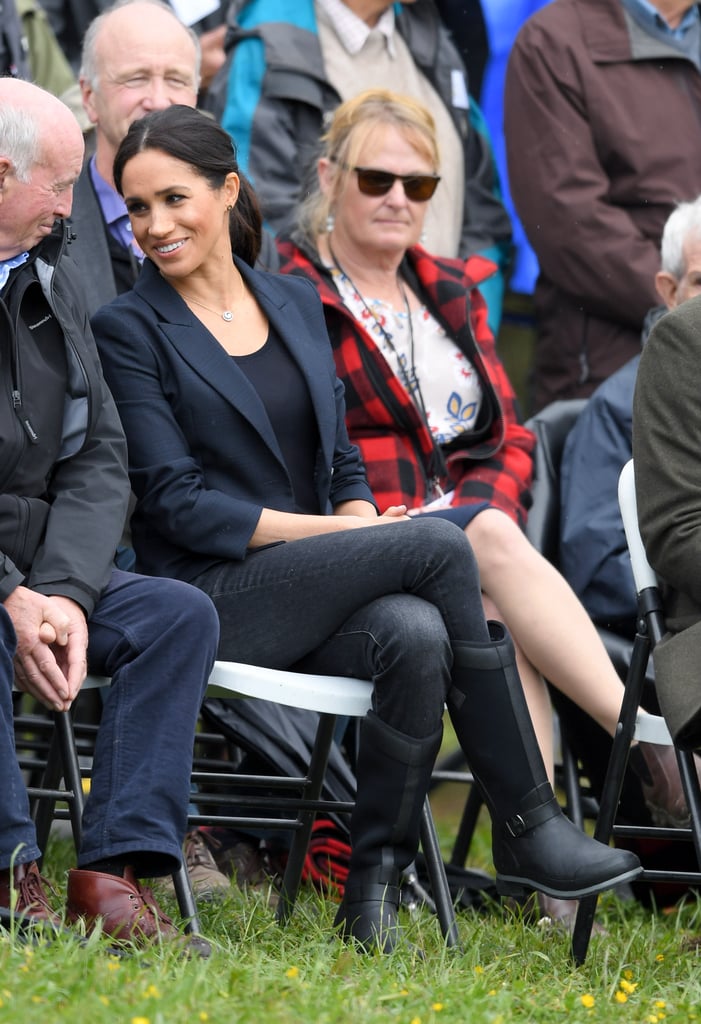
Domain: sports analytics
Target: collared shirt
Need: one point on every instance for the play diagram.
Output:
(685, 37)
(352, 30)
(7, 265)
(113, 210)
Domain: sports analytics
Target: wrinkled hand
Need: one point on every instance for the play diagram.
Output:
(52, 640)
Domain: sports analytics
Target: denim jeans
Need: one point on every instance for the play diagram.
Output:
(384, 603)
(157, 640)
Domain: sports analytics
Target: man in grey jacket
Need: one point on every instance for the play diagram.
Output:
(64, 608)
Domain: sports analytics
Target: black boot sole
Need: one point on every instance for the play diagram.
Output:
(511, 885)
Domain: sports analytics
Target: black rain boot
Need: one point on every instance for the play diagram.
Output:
(393, 772)
(534, 846)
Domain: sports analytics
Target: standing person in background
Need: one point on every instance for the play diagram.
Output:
(601, 119)
(14, 56)
(248, 486)
(284, 77)
(70, 20)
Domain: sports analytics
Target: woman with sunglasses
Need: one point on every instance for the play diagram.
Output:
(432, 410)
(247, 486)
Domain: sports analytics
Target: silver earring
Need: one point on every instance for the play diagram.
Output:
(422, 238)
(330, 221)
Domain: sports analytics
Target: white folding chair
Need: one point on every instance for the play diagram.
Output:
(634, 725)
(330, 697)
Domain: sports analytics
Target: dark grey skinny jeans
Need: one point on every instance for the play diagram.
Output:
(385, 603)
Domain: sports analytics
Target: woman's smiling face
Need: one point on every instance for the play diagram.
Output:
(178, 219)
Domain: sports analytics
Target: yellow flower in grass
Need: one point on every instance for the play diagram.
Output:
(660, 1004)
(152, 992)
(587, 1000)
(203, 1015)
(437, 1007)
(659, 958)
(415, 1020)
(292, 972)
(628, 974)
(104, 1000)
(628, 986)
(140, 1020)
(621, 997)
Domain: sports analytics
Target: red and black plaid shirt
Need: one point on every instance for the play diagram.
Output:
(489, 464)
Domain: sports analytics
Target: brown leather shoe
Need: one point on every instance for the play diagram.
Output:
(29, 892)
(126, 910)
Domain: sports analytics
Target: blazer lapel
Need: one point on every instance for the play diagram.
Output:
(203, 354)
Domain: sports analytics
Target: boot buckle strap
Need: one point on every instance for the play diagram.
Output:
(525, 821)
(516, 826)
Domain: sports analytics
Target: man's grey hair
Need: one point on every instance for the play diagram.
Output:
(89, 69)
(685, 220)
(20, 140)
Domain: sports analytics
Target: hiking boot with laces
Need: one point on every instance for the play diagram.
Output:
(24, 886)
(126, 910)
(205, 877)
(252, 866)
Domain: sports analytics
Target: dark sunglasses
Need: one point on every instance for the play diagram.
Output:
(417, 187)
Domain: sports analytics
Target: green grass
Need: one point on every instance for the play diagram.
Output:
(507, 969)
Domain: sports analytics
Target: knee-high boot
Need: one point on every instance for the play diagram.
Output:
(534, 845)
(393, 772)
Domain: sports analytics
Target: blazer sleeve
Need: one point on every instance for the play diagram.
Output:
(168, 478)
(666, 432)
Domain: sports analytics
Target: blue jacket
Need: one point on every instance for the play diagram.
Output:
(203, 458)
(593, 550)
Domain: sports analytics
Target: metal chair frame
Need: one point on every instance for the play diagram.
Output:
(331, 697)
(630, 725)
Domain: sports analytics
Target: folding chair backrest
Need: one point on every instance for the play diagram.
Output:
(643, 573)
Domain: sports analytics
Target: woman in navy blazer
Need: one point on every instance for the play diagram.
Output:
(248, 487)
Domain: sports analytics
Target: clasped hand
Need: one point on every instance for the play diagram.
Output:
(52, 641)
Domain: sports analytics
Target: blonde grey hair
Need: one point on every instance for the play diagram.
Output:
(350, 126)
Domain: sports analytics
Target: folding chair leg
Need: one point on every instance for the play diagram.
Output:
(468, 824)
(186, 900)
(300, 842)
(439, 882)
(71, 772)
(613, 784)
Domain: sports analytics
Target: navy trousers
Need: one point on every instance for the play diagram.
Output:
(157, 640)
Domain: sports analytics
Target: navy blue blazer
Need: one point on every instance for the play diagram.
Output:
(203, 458)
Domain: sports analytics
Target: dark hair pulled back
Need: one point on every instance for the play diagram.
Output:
(189, 135)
